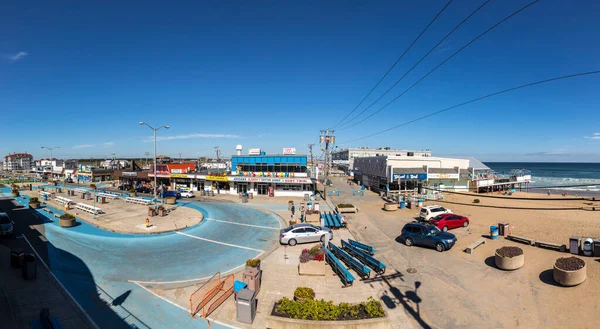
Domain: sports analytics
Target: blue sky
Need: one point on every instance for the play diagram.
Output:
(270, 74)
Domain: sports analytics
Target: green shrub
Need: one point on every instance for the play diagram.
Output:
(67, 216)
(304, 293)
(34, 200)
(373, 308)
(93, 186)
(316, 250)
(253, 262)
(322, 310)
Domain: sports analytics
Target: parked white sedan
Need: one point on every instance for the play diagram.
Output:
(187, 194)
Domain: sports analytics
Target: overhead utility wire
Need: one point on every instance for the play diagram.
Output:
(415, 65)
(475, 100)
(396, 62)
(442, 63)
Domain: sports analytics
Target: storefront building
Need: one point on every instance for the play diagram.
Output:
(87, 174)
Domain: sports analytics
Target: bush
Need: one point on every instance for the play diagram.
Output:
(345, 205)
(320, 257)
(476, 201)
(304, 256)
(131, 190)
(93, 186)
(253, 262)
(321, 310)
(315, 250)
(304, 293)
(34, 200)
(67, 216)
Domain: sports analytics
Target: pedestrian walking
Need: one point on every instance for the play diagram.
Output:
(293, 210)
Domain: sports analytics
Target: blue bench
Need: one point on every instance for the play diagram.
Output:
(365, 258)
(362, 246)
(326, 220)
(332, 220)
(338, 216)
(363, 271)
(338, 268)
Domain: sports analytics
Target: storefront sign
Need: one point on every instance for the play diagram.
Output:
(176, 171)
(129, 174)
(178, 176)
(442, 176)
(289, 150)
(272, 180)
(409, 176)
(267, 174)
(84, 168)
(217, 178)
(253, 151)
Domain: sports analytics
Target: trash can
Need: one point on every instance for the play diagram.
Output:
(588, 246)
(16, 257)
(251, 277)
(574, 244)
(306, 197)
(597, 248)
(251, 195)
(402, 204)
(420, 204)
(245, 306)
(244, 199)
(29, 268)
(237, 286)
(45, 197)
(503, 229)
(494, 232)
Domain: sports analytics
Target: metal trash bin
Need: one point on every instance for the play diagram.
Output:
(251, 195)
(16, 257)
(503, 229)
(596, 247)
(574, 244)
(245, 306)
(251, 277)
(306, 197)
(29, 269)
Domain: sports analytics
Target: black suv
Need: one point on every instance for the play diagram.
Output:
(427, 235)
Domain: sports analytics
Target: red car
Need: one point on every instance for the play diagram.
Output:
(449, 221)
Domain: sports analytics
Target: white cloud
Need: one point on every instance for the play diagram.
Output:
(18, 56)
(188, 136)
(109, 144)
(82, 146)
(595, 136)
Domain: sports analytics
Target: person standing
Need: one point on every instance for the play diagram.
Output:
(293, 210)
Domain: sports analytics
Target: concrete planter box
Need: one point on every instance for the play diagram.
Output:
(390, 206)
(286, 323)
(170, 200)
(312, 268)
(162, 212)
(510, 264)
(67, 222)
(569, 278)
(34, 205)
(343, 210)
(151, 213)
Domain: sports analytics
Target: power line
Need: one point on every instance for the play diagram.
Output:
(475, 100)
(396, 62)
(417, 63)
(442, 63)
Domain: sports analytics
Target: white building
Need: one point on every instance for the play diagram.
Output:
(410, 173)
(18, 161)
(344, 158)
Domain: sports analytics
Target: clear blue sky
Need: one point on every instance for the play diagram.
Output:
(270, 74)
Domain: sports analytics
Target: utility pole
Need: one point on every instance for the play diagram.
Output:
(312, 164)
(327, 138)
(218, 153)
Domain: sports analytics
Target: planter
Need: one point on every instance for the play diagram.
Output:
(312, 268)
(34, 205)
(287, 323)
(345, 209)
(390, 206)
(170, 200)
(162, 212)
(151, 213)
(67, 222)
(569, 278)
(254, 267)
(510, 263)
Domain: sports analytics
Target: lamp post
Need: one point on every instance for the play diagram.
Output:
(154, 130)
(51, 148)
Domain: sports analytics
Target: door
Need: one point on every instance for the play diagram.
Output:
(262, 189)
(425, 241)
(300, 235)
(454, 222)
(242, 187)
(415, 235)
(311, 235)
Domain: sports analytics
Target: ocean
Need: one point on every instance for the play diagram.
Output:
(562, 176)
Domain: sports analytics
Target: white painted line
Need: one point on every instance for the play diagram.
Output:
(61, 285)
(192, 280)
(218, 242)
(181, 307)
(242, 224)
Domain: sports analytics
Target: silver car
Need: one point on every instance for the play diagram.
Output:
(6, 224)
(303, 233)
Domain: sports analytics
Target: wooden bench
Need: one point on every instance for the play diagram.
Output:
(138, 201)
(472, 246)
(549, 245)
(89, 209)
(108, 195)
(521, 239)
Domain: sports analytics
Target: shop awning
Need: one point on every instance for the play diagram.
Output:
(409, 171)
(443, 171)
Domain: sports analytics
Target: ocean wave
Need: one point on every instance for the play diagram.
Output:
(537, 181)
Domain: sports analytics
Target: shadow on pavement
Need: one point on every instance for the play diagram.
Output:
(547, 277)
(72, 272)
(491, 262)
(404, 299)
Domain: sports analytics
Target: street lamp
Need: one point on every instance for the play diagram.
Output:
(154, 130)
(51, 148)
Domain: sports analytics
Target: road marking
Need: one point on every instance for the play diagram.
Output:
(61, 285)
(179, 306)
(235, 223)
(192, 280)
(218, 242)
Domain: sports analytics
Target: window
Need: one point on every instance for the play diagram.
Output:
(299, 230)
(310, 230)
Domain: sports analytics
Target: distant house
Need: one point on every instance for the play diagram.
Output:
(18, 161)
